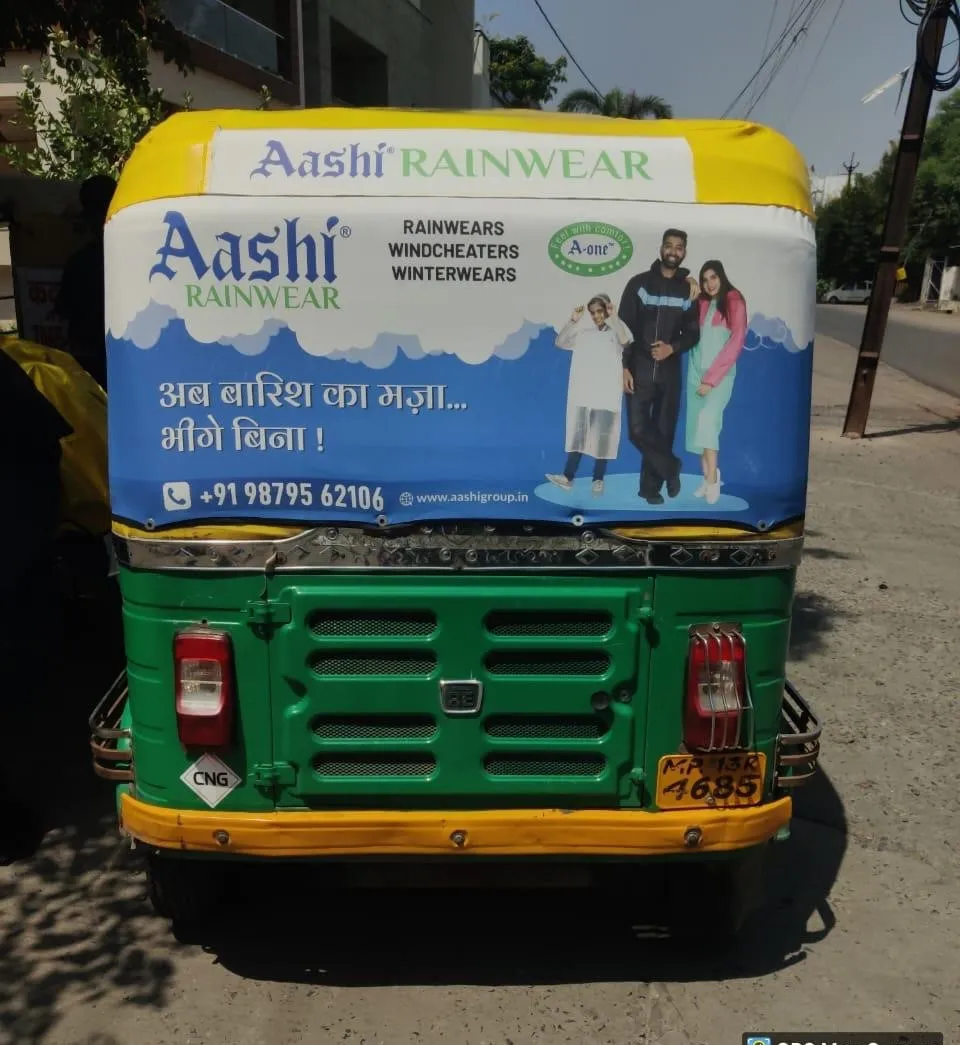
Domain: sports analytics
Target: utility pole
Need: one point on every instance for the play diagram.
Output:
(901, 194)
(850, 168)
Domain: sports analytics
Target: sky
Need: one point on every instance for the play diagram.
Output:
(698, 54)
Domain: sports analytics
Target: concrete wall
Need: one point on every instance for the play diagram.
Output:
(428, 46)
(483, 97)
(209, 91)
(449, 52)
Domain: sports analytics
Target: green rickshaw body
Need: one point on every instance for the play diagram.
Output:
(458, 469)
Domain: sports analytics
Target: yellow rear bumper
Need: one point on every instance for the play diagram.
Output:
(505, 832)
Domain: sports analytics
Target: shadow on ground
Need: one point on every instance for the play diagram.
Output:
(814, 617)
(933, 427)
(287, 926)
(73, 924)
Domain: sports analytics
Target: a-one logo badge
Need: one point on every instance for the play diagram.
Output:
(210, 779)
(590, 248)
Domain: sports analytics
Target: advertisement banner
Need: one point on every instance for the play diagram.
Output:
(422, 162)
(37, 291)
(398, 360)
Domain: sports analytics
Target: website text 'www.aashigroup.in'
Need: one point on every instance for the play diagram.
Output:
(407, 500)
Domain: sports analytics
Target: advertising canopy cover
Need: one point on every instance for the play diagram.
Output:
(381, 317)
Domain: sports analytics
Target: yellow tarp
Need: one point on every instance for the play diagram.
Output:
(85, 501)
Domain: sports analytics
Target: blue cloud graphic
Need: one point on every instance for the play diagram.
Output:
(770, 332)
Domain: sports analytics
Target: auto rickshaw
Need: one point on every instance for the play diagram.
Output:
(458, 468)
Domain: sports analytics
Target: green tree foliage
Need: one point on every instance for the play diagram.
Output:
(935, 214)
(849, 228)
(626, 104)
(519, 77)
(848, 233)
(90, 117)
(120, 27)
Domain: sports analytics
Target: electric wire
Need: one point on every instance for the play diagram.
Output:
(570, 54)
(918, 13)
(774, 51)
(811, 11)
(800, 37)
(793, 18)
(766, 39)
(816, 62)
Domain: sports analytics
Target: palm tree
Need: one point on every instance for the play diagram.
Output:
(626, 104)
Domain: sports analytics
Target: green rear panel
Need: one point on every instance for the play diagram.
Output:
(156, 606)
(357, 695)
(339, 698)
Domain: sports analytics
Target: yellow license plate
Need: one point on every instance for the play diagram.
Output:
(710, 781)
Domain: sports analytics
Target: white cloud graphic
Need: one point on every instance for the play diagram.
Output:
(255, 344)
(516, 344)
(145, 328)
(383, 352)
(475, 307)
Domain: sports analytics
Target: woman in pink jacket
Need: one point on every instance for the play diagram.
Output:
(712, 370)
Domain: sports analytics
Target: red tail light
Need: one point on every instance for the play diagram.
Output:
(715, 716)
(203, 670)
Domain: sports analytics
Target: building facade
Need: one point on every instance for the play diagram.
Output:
(403, 53)
(826, 187)
(398, 53)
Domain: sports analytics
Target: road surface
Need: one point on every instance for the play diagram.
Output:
(925, 346)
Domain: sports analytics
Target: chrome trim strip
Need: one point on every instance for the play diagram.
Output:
(457, 548)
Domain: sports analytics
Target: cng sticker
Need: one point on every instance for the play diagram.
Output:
(590, 248)
(210, 779)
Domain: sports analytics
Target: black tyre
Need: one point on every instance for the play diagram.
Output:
(185, 891)
(714, 899)
(833, 301)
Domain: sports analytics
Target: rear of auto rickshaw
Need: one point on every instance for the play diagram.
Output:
(458, 476)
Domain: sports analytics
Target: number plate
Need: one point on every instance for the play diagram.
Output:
(710, 781)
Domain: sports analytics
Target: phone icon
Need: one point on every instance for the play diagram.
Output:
(176, 497)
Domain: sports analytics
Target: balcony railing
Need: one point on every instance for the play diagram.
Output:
(229, 30)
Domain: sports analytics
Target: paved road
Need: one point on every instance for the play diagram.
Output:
(926, 347)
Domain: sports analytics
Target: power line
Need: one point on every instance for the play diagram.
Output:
(812, 11)
(773, 18)
(923, 12)
(810, 71)
(788, 29)
(553, 29)
(851, 167)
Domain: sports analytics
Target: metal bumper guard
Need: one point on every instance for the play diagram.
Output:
(505, 832)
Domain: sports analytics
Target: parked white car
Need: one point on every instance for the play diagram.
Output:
(849, 294)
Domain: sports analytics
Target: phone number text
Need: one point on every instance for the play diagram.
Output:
(304, 495)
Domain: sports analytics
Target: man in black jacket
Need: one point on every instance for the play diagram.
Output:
(658, 307)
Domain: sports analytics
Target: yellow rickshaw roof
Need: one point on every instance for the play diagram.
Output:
(734, 162)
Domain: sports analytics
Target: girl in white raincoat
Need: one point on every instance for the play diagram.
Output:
(594, 390)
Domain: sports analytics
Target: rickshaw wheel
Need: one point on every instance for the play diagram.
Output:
(185, 891)
(715, 897)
